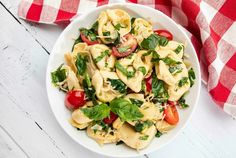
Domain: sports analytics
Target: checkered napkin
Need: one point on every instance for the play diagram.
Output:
(211, 26)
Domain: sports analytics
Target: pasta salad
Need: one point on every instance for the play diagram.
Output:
(124, 81)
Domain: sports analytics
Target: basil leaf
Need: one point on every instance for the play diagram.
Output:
(191, 76)
(95, 27)
(81, 64)
(89, 90)
(175, 69)
(140, 126)
(170, 61)
(183, 81)
(155, 57)
(158, 89)
(125, 110)
(148, 52)
(59, 75)
(100, 57)
(117, 41)
(124, 71)
(145, 137)
(123, 49)
(152, 41)
(118, 26)
(97, 112)
(118, 85)
(107, 33)
(142, 69)
(130, 56)
(136, 102)
(78, 40)
(132, 20)
(178, 49)
(132, 28)
(182, 103)
(158, 134)
(89, 34)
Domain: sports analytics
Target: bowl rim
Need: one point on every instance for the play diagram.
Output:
(48, 81)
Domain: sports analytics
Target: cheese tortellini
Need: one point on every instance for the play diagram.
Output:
(123, 81)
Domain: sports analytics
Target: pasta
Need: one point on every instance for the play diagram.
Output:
(124, 81)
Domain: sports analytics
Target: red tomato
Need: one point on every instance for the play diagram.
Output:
(75, 99)
(87, 40)
(109, 120)
(148, 83)
(172, 102)
(164, 33)
(171, 114)
(130, 42)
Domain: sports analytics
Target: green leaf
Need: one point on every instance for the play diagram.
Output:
(175, 69)
(89, 90)
(191, 76)
(152, 41)
(132, 20)
(95, 27)
(118, 26)
(130, 56)
(89, 34)
(100, 57)
(178, 49)
(158, 134)
(59, 75)
(81, 64)
(125, 110)
(107, 33)
(145, 137)
(123, 49)
(183, 81)
(97, 112)
(124, 71)
(140, 126)
(142, 69)
(158, 89)
(170, 61)
(78, 40)
(182, 103)
(136, 102)
(155, 56)
(148, 52)
(118, 85)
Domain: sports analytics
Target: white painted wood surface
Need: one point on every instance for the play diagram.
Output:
(28, 127)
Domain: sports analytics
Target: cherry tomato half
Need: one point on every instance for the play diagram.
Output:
(164, 33)
(130, 42)
(87, 40)
(109, 120)
(75, 99)
(171, 114)
(172, 102)
(148, 83)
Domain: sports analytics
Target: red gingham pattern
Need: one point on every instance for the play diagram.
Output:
(211, 27)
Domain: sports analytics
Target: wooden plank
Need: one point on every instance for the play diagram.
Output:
(10, 148)
(45, 35)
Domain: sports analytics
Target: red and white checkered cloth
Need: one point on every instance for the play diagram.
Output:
(211, 25)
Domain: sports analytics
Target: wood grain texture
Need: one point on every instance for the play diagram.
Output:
(28, 127)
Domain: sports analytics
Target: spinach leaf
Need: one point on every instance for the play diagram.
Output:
(136, 102)
(158, 89)
(78, 40)
(182, 103)
(125, 110)
(97, 112)
(140, 126)
(99, 58)
(155, 56)
(118, 26)
(124, 71)
(183, 81)
(191, 76)
(123, 49)
(148, 52)
(152, 41)
(142, 69)
(107, 33)
(59, 75)
(178, 49)
(95, 27)
(132, 20)
(132, 28)
(175, 69)
(88, 33)
(117, 41)
(89, 90)
(81, 64)
(158, 134)
(170, 61)
(145, 137)
(118, 85)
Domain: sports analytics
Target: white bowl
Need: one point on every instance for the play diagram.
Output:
(64, 44)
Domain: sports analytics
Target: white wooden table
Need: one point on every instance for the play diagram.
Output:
(28, 127)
